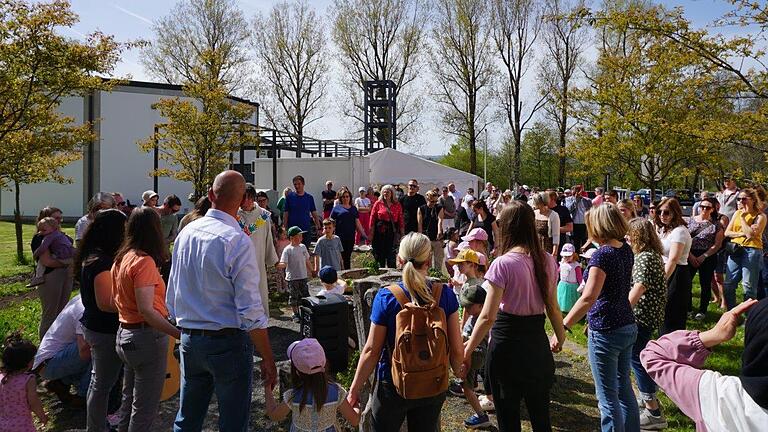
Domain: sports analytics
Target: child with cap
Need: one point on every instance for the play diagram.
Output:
(477, 239)
(472, 299)
(331, 282)
(297, 263)
(314, 399)
(570, 278)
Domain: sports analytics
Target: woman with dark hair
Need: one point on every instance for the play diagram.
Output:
(202, 205)
(93, 262)
(347, 223)
(142, 339)
(521, 285)
(706, 240)
(612, 327)
(486, 220)
(54, 292)
(676, 241)
(746, 232)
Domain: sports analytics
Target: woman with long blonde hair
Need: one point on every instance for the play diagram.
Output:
(389, 408)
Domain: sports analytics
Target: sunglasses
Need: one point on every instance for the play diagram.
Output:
(706, 207)
(413, 186)
(744, 198)
(665, 212)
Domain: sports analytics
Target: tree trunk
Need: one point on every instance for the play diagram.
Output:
(562, 129)
(516, 168)
(20, 258)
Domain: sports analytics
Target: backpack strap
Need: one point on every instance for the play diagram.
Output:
(399, 294)
(436, 293)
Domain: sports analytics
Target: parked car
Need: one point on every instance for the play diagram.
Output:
(646, 194)
(684, 197)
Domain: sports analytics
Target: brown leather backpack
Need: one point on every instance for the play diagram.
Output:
(420, 352)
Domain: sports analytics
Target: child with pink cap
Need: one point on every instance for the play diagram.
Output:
(314, 399)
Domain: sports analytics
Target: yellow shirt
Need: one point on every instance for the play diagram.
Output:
(757, 238)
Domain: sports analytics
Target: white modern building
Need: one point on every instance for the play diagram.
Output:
(113, 162)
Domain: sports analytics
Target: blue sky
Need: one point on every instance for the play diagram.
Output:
(129, 20)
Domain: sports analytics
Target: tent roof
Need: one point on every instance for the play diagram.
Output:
(390, 166)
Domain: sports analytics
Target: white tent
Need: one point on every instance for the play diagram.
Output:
(388, 166)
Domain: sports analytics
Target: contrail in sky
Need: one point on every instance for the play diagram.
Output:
(133, 14)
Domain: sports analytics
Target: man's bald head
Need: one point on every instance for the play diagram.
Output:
(227, 191)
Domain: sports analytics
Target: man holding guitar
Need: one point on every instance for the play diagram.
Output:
(214, 295)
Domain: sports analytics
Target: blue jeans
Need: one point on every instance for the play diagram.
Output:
(67, 366)
(744, 267)
(609, 354)
(223, 364)
(644, 382)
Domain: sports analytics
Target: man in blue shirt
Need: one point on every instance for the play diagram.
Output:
(213, 293)
(300, 210)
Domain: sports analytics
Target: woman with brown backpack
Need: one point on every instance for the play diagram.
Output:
(416, 322)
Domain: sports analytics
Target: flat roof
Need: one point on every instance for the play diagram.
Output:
(176, 87)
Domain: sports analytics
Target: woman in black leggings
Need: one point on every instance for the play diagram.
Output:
(521, 288)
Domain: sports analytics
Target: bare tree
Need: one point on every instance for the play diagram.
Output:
(200, 40)
(516, 27)
(564, 38)
(291, 52)
(461, 61)
(381, 40)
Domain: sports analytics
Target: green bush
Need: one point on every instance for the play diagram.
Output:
(345, 378)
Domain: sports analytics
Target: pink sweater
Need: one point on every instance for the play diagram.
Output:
(713, 401)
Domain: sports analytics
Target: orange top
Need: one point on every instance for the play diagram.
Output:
(136, 271)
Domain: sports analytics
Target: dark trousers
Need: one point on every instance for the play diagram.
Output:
(383, 248)
(579, 235)
(390, 410)
(678, 299)
(706, 273)
(346, 255)
(514, 377)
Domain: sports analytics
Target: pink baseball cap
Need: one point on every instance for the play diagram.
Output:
(307, 356)
(476, 234)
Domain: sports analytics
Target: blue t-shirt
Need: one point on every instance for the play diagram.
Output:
(345, 221)
(612, 309)
(300, 208)
(383, 312)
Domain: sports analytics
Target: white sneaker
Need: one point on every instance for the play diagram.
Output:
(485, 403)
(649, 421)
(699, 317)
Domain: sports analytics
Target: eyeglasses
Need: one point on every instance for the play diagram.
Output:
(744, 198)
(705, 207)
(665, 212)
(413, 186)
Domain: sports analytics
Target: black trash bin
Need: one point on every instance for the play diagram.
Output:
(326, 318)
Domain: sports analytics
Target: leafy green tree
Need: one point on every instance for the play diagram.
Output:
(540, 156)
(652, 109)
(39, 68)
(199, 134)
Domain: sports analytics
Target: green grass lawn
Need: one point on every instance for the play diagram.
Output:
(21, 315)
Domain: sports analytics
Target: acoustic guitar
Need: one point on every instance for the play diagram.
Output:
(172, 373)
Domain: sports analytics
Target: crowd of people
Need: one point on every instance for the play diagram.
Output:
(513, 261)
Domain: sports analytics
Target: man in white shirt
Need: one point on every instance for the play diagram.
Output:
(214, 295)
(64, 357)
